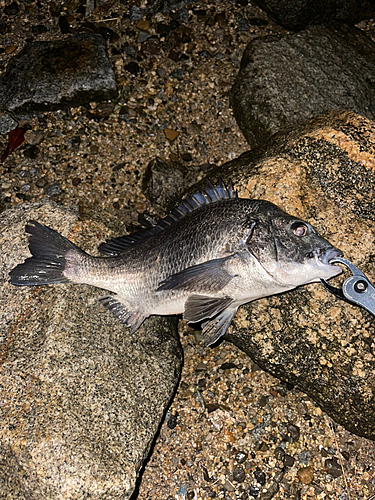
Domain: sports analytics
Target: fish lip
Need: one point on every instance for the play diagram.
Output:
(326, 255)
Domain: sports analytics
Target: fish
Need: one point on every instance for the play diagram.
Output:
(211, 254)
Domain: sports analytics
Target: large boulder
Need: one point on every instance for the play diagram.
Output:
(323, 172)
(54, 75)
(81, 399)
(295, 14)
(287, 79)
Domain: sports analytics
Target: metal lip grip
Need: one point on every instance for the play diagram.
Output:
(356, 289)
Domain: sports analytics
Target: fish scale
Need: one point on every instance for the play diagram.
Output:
(211, 254)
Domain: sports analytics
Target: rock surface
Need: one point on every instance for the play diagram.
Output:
(296, 14)
(81, 399)
(323, 172)
(165, 182)
(285, 80)
(70, 72)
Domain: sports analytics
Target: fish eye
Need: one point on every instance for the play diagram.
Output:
(299, 229)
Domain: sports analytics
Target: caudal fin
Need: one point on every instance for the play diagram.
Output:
(49, 251)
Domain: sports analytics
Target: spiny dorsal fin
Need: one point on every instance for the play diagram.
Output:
(191, 202)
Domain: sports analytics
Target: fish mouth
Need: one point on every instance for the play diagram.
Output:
(325, 255)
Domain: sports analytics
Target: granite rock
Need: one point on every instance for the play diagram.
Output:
(295, 14)
(287, 79)
(70, 72)
(81, 399)
(322, 172)
(7, 123)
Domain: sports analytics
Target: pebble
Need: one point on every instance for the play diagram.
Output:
(304, 457)
(38, 29)
(33, 137)
(279, 453)
(260, 477)
(12, 9)
(187, 157)
(289, 461)
(306, 474)
(132, 67)
(253, 491)
(52, 189)
(293, 433)
(135, 13)
(41, 183)
(171, 134)
(143, 36)
(10, 49)
(151, 46)
(144, 25)
(238, 474)
(333, 468)
(228, 486)
(177, 73)
(271, 492)
(241, 457)
(242, 24)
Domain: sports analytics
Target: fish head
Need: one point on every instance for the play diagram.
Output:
(291, 251)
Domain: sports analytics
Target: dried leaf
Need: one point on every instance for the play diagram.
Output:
(16, 138)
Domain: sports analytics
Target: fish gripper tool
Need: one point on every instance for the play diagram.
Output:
(356, 289)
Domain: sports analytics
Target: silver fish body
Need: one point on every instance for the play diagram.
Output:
(210, 255)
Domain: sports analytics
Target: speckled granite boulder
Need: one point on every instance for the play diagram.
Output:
(81, 400)
(285, 80)
(59, 74)
(294, 14)
(323, 172)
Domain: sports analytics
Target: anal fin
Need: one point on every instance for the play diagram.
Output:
(200, 307)
(214, 329)
(134, 319)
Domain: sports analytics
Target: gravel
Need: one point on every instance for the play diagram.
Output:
(234, 433)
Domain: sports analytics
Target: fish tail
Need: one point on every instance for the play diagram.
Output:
(52, 254)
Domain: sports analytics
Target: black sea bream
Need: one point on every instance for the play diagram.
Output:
(211, 254)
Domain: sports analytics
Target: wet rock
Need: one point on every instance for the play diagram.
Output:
(81, 398)
(287, 79)
(7, 123)
(323, 172)
(165, 181)
(296, 14)
(70, 72)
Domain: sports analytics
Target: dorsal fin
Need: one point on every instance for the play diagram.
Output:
(191, 202)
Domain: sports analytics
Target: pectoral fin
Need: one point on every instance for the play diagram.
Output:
(134, 319)
(216, 328)
(209, 277)
(200, 307)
